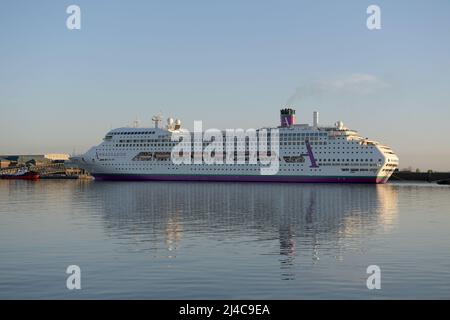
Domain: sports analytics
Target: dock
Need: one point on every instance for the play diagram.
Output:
(419, 176)
(48, 166)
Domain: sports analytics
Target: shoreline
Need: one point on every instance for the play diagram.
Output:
(419, 176)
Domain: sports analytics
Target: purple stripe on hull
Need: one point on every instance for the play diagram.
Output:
(294, 179)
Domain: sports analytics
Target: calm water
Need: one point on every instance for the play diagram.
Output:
(230, 241)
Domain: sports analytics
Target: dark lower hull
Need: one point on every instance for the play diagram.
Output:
(226, 178)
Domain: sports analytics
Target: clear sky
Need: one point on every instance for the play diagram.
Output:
(229, 63)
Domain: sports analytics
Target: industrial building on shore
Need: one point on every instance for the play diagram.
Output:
(35, 159)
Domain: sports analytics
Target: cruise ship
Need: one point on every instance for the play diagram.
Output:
(304, 153)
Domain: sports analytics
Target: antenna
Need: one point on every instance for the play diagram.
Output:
(136, 123)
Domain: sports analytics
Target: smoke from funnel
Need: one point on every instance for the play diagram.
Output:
(304, 92)
(355, 84)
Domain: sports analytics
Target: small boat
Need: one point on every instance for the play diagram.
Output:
(22, 174)
(443, 182)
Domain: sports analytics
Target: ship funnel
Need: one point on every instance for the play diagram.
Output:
(315, 119)
(287, 117)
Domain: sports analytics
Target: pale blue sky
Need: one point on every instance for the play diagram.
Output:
(228, 63)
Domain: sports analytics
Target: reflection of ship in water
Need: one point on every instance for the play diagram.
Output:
(301, 218)
(174, 231)
(328, 216)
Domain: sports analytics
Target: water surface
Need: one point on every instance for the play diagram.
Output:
(223, 240)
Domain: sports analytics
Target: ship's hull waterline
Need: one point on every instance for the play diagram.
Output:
(241, 178)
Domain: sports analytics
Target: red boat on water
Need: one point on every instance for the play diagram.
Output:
(22, 174)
